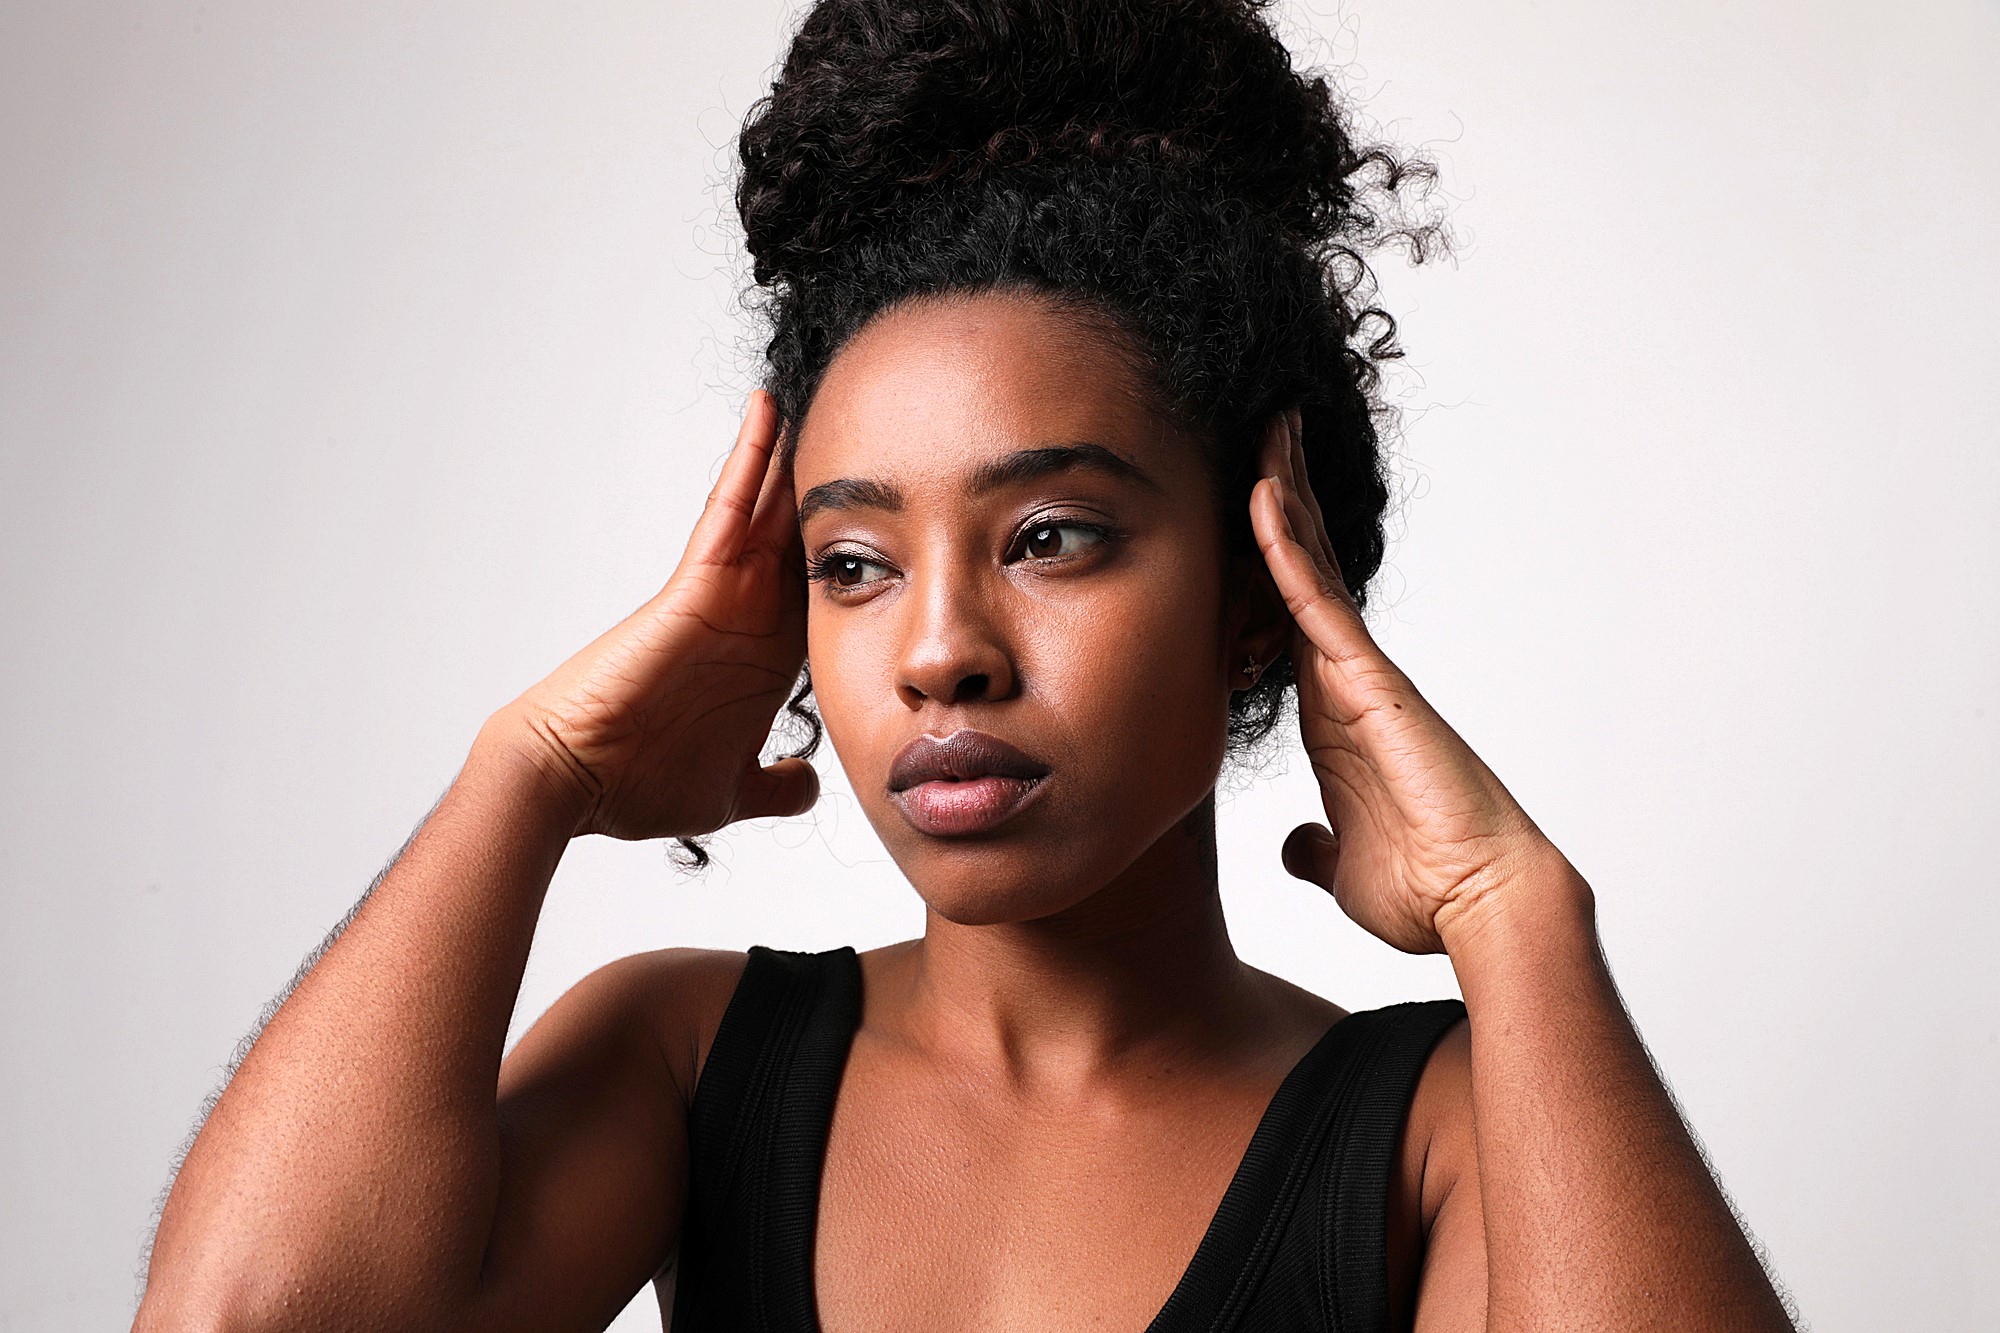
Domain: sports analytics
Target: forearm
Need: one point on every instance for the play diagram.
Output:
(1599, 1211)
(354, 1156)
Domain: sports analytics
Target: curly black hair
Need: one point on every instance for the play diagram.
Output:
(1157, 167)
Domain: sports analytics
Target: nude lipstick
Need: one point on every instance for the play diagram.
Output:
(961, 784)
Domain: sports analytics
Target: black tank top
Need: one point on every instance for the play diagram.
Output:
(1297, 1243)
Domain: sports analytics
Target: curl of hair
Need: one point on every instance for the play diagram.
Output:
(1157, 168)
(807, 730)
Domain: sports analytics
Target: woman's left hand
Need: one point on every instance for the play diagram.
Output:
(1424, 837)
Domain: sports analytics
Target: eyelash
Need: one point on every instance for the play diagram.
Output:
(823, 568)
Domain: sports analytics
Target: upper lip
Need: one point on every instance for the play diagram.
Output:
(959, 757)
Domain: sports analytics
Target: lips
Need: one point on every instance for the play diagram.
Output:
(964, 756)
(964, 783)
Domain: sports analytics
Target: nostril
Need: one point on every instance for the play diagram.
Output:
(974, 687)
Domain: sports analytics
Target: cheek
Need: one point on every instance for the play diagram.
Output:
(847, 684)
(1133, 654)
(1133, 670)
(1122, 674)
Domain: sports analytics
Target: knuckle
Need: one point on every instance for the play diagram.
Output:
(1298, 603)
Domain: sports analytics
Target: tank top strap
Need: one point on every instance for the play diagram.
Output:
(1299, 1240)
(1354, 1226)
(757, 1139)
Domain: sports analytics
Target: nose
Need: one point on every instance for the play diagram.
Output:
(954, 648)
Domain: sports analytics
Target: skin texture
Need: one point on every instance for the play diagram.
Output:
(1032, 1035)
(1080, 657)
(995, 1157)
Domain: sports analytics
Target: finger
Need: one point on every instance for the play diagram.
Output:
(1311, 853)
(1326, 617)
(725, 519)
(1295, 455)
(1271, 456)
(1322, 544)
(772, 480)
(1312, 535)
(1282, 456)
(775, 524)
(786, 788)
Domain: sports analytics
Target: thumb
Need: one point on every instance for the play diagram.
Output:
(1310, 853)
(788, 787)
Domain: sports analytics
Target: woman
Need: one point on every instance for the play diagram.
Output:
(1068, 471)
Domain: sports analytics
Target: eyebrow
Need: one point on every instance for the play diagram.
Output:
(850, 493)
(1020, 466)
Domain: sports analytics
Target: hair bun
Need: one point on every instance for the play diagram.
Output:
(879, 100)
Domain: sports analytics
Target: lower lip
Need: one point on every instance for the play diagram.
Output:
(955, 809)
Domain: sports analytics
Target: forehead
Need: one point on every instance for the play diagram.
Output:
(935, 387)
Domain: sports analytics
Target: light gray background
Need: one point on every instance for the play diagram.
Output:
(358, 362)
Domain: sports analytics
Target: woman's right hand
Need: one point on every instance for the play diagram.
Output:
(656, 727)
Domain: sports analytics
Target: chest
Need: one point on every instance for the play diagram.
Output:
(830, 1190)
(944, 1204)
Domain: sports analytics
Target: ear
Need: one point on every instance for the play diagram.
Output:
(1258, 626)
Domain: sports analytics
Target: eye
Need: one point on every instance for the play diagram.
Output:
(846, 569)
(1046, 541)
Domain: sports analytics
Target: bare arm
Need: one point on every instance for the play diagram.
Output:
(354, 1159)
(371, 1165)
(1579, 1199)
(1585, 1203)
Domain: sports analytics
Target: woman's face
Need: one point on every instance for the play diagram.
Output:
(1006, 543)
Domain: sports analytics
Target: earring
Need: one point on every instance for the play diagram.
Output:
(1252, 667)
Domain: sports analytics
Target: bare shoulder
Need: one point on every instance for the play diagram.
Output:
(1434, 1228)
(593, 1106)
(1438, 1143)
(1299, 1017)
(1437, 1236)
(1307, 1007)
(683, 993)
(675, 997)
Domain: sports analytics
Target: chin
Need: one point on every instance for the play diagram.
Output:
(971, 904)
(993, 882)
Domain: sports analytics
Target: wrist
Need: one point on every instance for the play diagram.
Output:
(1536, 901)
(512, 756)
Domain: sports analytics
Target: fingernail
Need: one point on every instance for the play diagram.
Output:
(1278, 494)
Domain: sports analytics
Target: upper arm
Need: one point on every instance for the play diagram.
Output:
(592, 1146)
(1439, 1181)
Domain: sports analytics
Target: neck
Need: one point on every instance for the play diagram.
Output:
(1142, 967)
